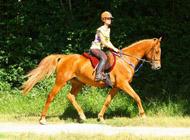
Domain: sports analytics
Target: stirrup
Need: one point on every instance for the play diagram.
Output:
(100, 77)
(108, 81)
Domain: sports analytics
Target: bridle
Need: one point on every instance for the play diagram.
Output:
(120, 54)
(152, 60)
(140, 59)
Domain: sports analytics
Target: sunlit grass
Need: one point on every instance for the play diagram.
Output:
(121, 112)
(115, 121)
(63, 136)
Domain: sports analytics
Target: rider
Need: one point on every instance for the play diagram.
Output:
(102, 40)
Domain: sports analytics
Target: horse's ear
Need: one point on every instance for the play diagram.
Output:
(160, 39)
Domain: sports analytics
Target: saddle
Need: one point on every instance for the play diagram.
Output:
(108, 66)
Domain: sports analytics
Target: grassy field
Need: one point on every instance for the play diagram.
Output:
(13, 103)
(121, 112)
(115, 121)
(14, 107)
(62, 136)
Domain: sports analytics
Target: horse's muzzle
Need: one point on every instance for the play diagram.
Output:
(155, 66)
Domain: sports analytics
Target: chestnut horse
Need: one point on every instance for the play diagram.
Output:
(78, 70)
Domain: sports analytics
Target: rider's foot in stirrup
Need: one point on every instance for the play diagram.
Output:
(99, 77)
(108, 81)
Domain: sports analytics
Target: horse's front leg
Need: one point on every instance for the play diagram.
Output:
(110, 96)
(124, 85)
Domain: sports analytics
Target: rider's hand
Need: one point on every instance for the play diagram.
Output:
(116, 50)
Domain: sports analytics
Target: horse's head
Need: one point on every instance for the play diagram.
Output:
(154, 54)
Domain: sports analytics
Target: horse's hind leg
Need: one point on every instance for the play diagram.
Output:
(76, 87)
(110, 96)
(50, 98)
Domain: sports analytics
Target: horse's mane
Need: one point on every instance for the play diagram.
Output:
(135, 43)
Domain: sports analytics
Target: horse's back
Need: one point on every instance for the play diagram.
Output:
(73, 61)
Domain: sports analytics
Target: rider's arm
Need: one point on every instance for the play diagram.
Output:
(107, 43)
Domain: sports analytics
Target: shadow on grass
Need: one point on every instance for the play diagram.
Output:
(71, 113)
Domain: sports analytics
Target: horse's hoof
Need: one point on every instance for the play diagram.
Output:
(101, 120)
(43, 121)
(81, 121)
(82, 118)
(142, 115)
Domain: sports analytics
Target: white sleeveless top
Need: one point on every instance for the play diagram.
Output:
(96, 44)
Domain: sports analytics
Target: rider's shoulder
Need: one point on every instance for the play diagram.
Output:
(103, 30)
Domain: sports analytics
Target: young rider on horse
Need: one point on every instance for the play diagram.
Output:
(102, 40)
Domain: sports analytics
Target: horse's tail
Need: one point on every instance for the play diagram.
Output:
(45, 68)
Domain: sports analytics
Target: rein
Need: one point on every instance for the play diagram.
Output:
(140, 59)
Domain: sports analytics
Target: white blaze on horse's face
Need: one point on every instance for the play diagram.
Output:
(154, 55)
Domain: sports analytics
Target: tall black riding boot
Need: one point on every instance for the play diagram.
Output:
(99, 74)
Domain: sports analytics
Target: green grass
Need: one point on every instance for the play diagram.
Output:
(115, 121)
(91, 100)
(63, 136)
(122, 111)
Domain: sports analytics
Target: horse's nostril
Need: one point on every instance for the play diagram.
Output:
(158, 67)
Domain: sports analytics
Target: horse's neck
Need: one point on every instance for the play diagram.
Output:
(136, 50)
